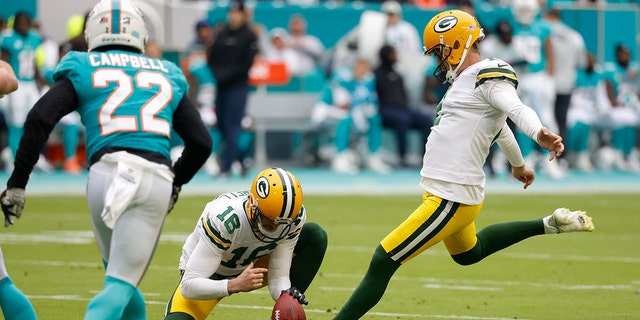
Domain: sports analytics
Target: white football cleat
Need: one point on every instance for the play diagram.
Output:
(342, 163)
(375, 163)
(43, 165)
(564, 220)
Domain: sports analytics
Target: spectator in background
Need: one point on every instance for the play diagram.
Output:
(590, 108)
(568, 60)
(400, 34)
(277, 50)
(348, 105)
(394, 105)
(3, 24)
(18, 47)
(308, 48)
(47, 58)
(71, 124)
(532, 39)
(499, 44)
(258, 28)
(202, 90)
(623, 87)
(76, 40)
(230, 57)
(203, 37)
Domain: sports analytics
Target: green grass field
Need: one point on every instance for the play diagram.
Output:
(51, 256)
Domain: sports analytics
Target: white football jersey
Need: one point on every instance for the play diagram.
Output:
(224, 227)
(469, 120)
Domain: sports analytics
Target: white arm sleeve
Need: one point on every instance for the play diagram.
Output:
(279, 265)
(509, 145)
(503, 95)
(195, 282)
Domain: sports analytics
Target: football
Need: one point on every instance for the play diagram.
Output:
(288, 308)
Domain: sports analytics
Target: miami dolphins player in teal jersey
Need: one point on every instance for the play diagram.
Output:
(18, 47)
(532, 40)
(128, 104)
(349, 103)
(14, 304)
(623, 87)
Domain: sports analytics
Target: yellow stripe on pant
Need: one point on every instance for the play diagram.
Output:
(435, 220)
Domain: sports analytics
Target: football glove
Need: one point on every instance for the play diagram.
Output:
(12, 202)
(174, 197)
(293, 291)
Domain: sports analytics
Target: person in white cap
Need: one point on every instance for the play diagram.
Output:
(400, 34)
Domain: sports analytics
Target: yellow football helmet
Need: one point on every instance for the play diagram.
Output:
(275, 201)
(448, 36)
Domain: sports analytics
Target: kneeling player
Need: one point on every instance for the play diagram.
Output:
(245, 240)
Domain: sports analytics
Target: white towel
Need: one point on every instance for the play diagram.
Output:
(124, 186)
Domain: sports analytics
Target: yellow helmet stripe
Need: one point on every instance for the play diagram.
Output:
(288, 194)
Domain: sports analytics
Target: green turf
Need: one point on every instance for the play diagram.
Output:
(51, 256)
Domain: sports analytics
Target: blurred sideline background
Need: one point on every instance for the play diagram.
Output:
(171, 22)
(603, 24)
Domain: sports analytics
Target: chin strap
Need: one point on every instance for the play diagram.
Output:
(453, 74)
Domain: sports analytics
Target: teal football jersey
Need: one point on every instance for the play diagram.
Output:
(22, 53)
(125, 99)
(200, 70)
(529, 42)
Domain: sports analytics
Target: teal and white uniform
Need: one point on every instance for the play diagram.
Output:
(128, 103)
(22, 58)
(537, 86)
(626, 86)
(362, 115)
(107, 86)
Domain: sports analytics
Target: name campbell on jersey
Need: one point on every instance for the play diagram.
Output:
(110, 104)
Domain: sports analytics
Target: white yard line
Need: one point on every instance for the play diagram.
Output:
(86, 237)
(268, 308)
(482, 285)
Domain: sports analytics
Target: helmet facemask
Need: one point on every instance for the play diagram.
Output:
(445, 72)
(264, 228)
(441, 52)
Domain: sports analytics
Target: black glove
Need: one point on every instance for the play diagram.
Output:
(174, 197)
(296, 295)
(12, 202)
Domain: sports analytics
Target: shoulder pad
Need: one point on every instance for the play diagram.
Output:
(496, 69)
